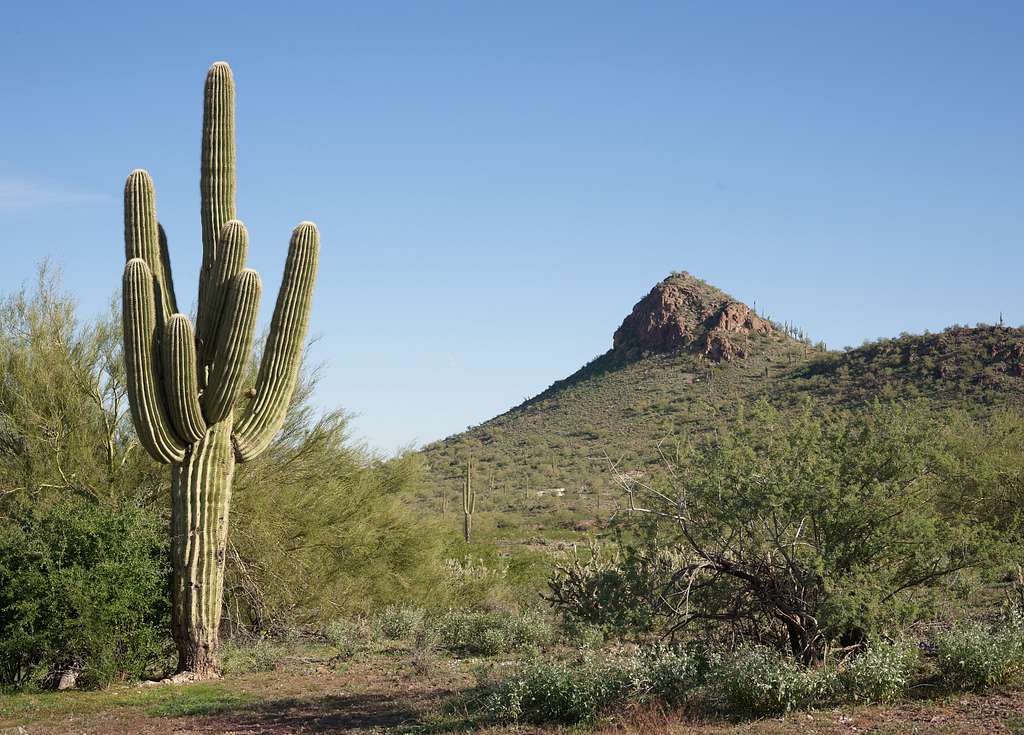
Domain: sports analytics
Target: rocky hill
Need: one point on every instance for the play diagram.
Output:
(684, 314)
(683, 361)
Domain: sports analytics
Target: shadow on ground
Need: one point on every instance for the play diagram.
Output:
(340, 713)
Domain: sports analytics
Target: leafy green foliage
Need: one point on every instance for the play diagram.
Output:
(347, 542)
(82, 588)
(400, 622)
(64, 424)
(549, 691)
(759, 681)
(973, 657)
(879, 673)
(347, 636)
(488, 633)
(809, 530)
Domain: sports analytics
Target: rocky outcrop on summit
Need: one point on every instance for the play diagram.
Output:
(683, 313)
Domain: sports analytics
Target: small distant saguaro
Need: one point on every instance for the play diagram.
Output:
(468, 503)
(185, 383)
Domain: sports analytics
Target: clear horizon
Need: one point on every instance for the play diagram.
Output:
(496, 186)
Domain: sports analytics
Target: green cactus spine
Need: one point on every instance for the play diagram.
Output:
(184, 384)
(468, 503)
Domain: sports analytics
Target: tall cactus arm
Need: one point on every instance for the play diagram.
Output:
(142, 238)
(234, 344)
(217, 177)
(282, 355)
(165, 262)
(179, 360)
(232, 250)
(145, 395)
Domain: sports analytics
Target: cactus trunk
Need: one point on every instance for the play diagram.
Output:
(184, 384)
(201, 503)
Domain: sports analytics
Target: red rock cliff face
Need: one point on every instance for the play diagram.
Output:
(684, 313)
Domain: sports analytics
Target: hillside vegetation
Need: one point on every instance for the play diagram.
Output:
(683, 363)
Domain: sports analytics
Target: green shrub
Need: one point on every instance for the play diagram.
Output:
(350, 543)
(855, 492)
(972, 657)
(878, 674)
(83, 586)
(348, 636)
(548, 692)
(245, 658)
(490, 633)
(672, 675)
(399, 622)
(758, 681)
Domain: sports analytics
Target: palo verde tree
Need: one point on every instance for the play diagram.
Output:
(184, 383)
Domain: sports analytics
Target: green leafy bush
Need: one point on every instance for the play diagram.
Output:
(399, 622)
(83, 587)
(880, 673)
(831, 521)
(758, 681)
(547, 692)
(347, 636)
(490, 633)
(972, 657)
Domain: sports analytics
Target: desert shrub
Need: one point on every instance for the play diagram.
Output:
(400, 622)
(973, 657)
(832, 521)
(82, 587)
(758, 680)
(348, 544)
(488, 579)
(423, 651)
(617, 590)
(880, 673)
(348, 636)
(548, 691)
(246, 657)
(490, 633)
(671, 675)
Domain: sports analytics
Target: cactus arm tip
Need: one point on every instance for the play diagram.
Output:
(282, 356)
(180, 381)
(234, 344)
(231, 253)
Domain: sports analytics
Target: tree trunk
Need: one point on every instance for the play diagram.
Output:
(200, 499)
(804, 642)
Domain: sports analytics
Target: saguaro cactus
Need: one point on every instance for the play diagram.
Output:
(184, 384)
(468, 503)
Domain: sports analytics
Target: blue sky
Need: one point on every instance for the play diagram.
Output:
(497, 184)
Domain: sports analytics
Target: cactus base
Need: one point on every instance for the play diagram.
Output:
(201, 499)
